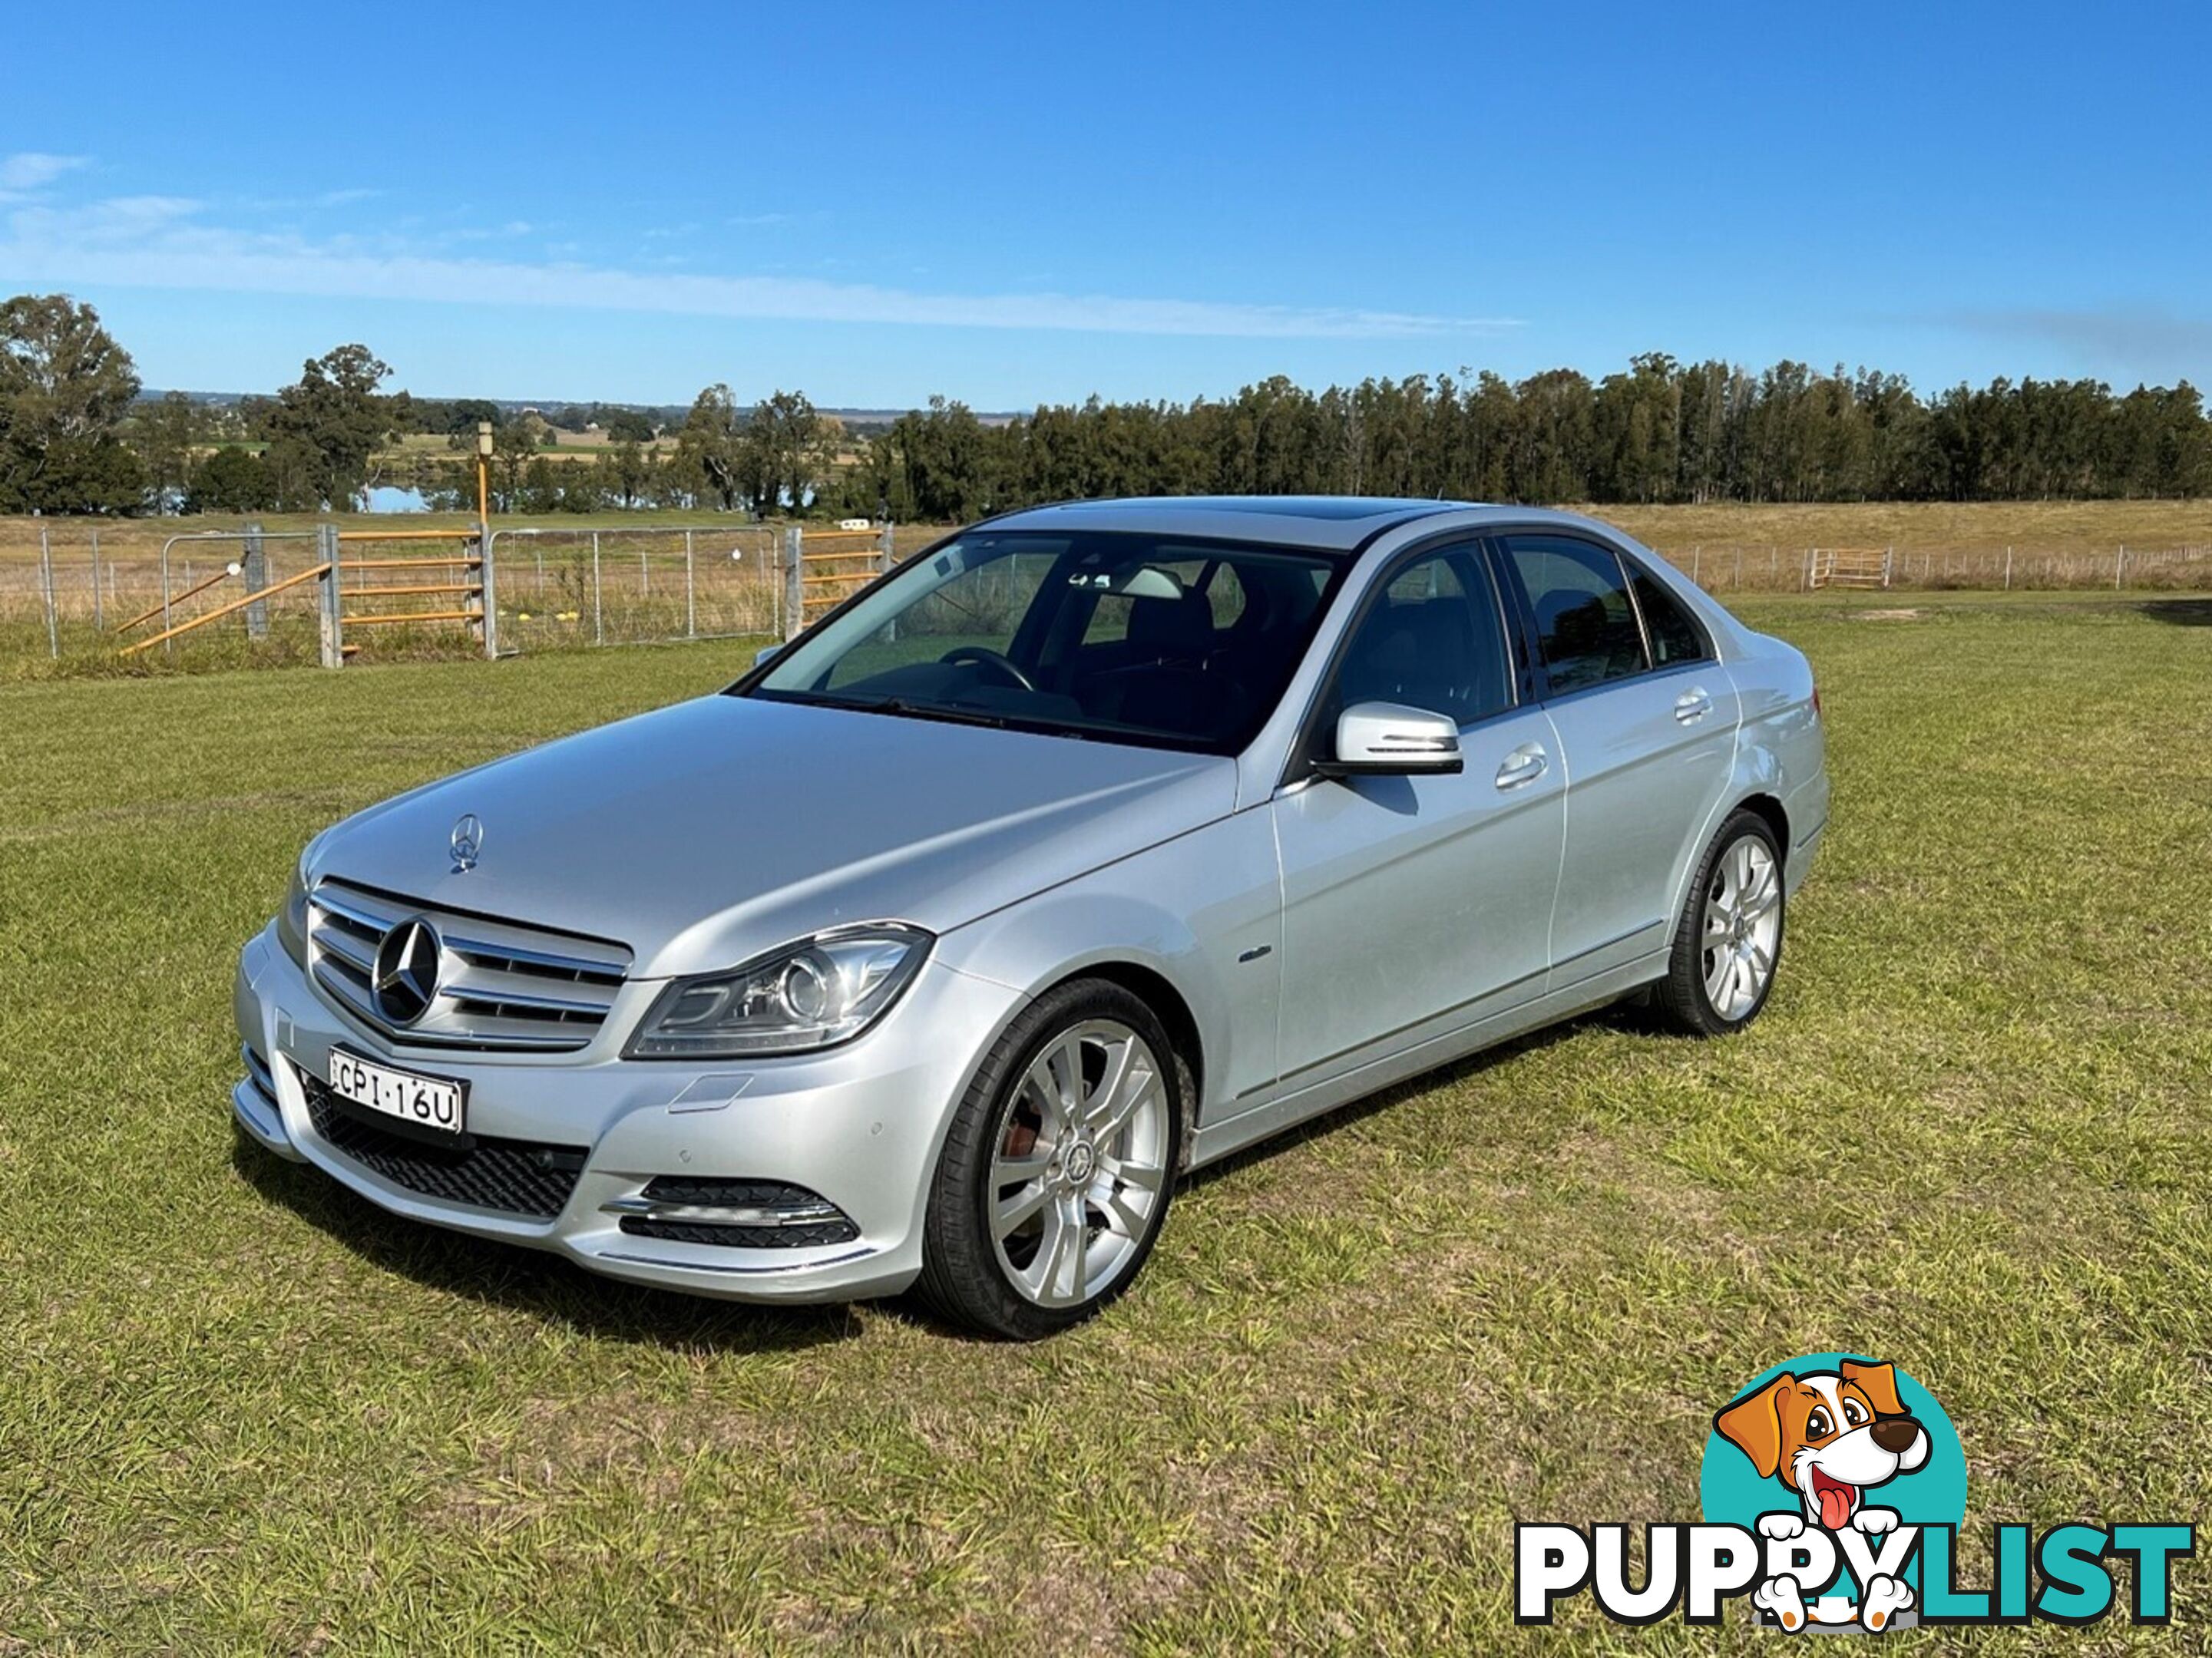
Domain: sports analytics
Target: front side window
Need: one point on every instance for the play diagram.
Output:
(1586, 627)
(1432, 640)
(1126, 638)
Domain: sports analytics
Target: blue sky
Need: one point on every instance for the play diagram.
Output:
(1010, 204)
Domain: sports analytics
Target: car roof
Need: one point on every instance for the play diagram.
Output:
(1341, 523)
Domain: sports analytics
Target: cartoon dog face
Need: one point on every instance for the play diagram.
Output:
(1828, 1435)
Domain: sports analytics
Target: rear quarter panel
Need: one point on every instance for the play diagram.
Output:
(1780, 748)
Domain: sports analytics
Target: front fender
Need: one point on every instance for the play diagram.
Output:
(1202, 912)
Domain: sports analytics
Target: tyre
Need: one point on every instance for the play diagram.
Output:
(1727, 939)
(1059, 1167)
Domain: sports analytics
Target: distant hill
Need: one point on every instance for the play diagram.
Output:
(860, 421)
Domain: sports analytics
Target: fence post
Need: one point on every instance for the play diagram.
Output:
(691, 591)
(47, 574)
(598, 622)
(2119, 564)
(889, 558)
(168, 647)
(1808, 569)
(794, 582)
(99, 621)
(256, 565)
(1888, 554)
(1696, 558)
(487, 589)
(333, 616)
(2007, 569)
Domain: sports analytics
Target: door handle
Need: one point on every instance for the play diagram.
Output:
(1692, 706)
(1524, 765)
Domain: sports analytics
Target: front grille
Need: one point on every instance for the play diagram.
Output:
(500, 984)
(516, 1177)
(822, 1222)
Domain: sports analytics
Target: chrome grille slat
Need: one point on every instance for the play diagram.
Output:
(355, 952)
(551, 1006)
(352, 995)
(349, 908)
(501, 984)
(490, 955)
(549, 994)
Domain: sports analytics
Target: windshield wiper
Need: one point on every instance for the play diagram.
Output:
(946, 712)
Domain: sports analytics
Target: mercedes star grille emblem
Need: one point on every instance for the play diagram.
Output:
(466, 843)
(405, 982)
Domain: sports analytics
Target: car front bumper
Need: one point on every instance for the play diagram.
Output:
(860, 1126)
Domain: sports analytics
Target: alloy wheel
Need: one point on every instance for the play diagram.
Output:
(1742, 927)
(1078, 1164)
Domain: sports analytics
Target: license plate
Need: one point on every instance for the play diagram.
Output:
(426, 1102)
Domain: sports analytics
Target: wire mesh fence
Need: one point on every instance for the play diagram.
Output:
(1772, 568)
(559, 587)
(71, 589)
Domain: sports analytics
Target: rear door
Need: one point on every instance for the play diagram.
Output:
(1646, 724)
(1419, 901)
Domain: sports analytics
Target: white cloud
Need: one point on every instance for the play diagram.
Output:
(32, 169)
(2134, 339)
(154, 241)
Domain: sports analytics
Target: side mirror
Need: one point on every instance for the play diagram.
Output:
(764, 653)
(1383, 739)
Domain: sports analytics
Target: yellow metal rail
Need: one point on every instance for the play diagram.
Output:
(197, 588)
(469, 534)
(385, 590)
(236, 605)
(397, 617)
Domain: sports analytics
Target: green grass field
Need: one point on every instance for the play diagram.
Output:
(241, 1411)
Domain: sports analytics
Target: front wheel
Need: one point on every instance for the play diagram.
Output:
(1059, 1167)
(1727, 939)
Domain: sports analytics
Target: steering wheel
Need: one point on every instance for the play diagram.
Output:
(984, 656)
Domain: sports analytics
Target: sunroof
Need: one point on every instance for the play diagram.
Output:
(1322, 508)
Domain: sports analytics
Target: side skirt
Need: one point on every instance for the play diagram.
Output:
(1249, 1128)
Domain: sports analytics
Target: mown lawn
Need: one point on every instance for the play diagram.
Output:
(240, 1410)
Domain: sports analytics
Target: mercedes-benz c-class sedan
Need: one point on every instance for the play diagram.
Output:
(1091, 845)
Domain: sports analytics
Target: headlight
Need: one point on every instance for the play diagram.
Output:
(821, 991)
(292, 920)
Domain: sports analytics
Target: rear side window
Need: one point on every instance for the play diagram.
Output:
(1675, 636)
(1586, 627)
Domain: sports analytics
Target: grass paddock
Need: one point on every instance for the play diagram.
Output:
(242, 1410)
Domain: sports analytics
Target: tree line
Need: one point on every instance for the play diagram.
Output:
(76, 437)
(1662, 431)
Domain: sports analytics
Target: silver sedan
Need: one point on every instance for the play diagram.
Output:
(1089, 846)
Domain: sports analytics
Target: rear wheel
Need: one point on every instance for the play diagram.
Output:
(1727, 939)
(1059, 1167)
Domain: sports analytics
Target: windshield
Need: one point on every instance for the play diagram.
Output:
(1130, 638)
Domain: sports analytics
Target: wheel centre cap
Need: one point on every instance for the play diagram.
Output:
(1078, 1164)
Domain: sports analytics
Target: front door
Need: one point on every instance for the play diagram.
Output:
(1413, 901)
